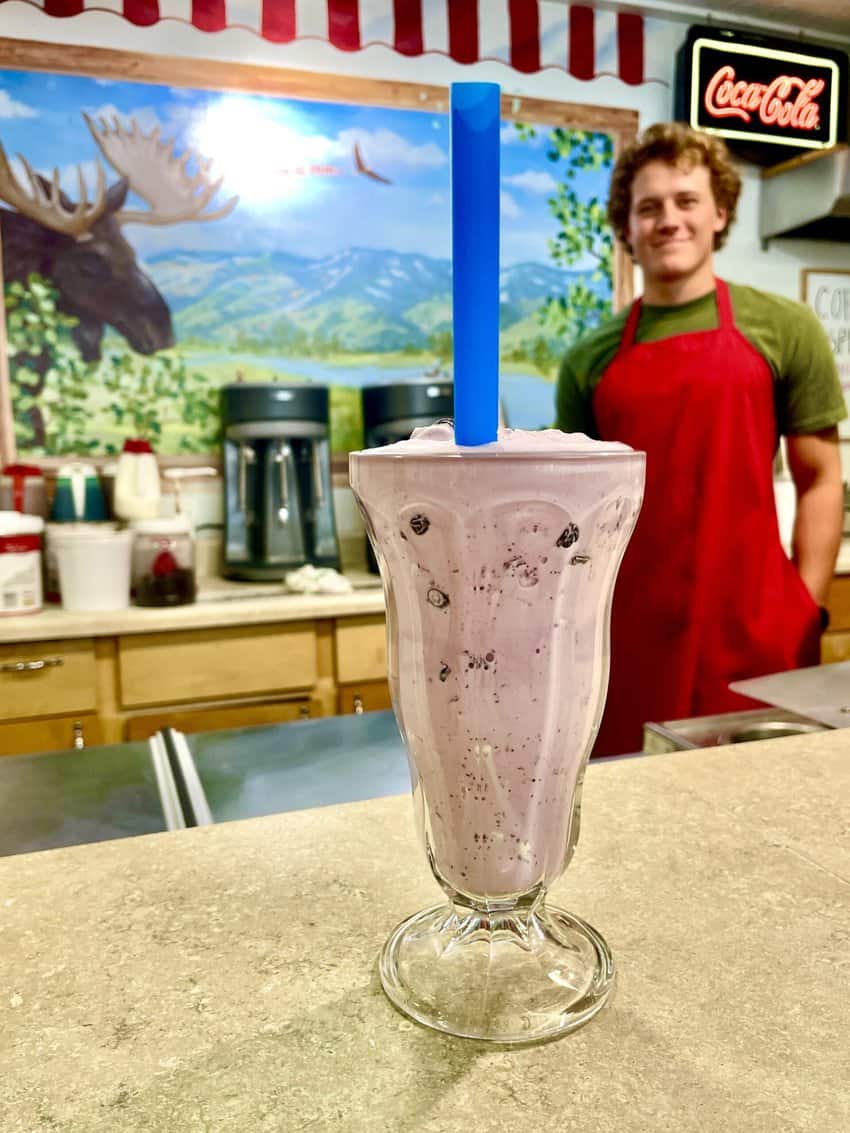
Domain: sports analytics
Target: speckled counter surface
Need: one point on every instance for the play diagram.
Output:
(224, 978)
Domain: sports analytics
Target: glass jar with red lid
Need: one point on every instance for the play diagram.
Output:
(163, 562)
(22, 489)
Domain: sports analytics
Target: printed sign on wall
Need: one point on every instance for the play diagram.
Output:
(768, 98)
(827, 292)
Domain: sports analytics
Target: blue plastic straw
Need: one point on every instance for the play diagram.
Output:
(475, 260)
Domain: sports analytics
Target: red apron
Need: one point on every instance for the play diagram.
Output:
(705, 595)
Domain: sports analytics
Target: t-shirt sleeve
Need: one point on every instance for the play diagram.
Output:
(809, 394)
(581, 371)
(573, 398)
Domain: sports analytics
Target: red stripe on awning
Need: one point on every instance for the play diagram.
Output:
(209, 15)
(408, 26)
(463, 30)
(278, 21)
(344, 24)
(630, 47)
(63, 7)
(143, 13)
(524, 16)
(582, 48)
(470, 31)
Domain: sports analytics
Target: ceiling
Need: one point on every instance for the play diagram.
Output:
(828, 17)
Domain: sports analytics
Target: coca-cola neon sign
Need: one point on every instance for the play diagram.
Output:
(767, 97)
(786, 101)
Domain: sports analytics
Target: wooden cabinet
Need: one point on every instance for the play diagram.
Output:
(56, 694)
(365, 696)
(839, 603)
(57, 733)
(835, 643)
(211, 719)
(51, 678)
(835, 647)
(361, 650)
(213, 664)
(48, 696)
(361, 665)
(127, 687)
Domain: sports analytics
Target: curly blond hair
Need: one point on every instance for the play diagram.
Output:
(676, 144)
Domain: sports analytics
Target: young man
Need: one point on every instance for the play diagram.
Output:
(704, 376)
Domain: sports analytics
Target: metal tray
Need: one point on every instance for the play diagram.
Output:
(821, 692)
(726, 728)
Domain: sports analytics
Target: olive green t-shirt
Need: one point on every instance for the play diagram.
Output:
(788, 336)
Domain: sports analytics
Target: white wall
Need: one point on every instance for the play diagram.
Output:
(778, 268)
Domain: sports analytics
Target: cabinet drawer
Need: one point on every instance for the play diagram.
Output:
(164, 668)
(838, 602)
(222, 716)
(835, 647)
(367, 696)
(67, 683)
(50, 735)
(361, 650)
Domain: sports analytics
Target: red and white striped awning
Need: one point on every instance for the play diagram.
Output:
(528, 35)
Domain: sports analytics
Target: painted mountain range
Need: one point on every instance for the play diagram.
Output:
(360, 299)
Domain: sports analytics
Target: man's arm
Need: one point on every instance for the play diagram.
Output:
(572, 402)
(815, 466)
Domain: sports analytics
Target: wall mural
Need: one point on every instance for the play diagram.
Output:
(160, 241)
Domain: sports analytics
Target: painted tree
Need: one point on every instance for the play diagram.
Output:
(48, 377)
(583, 232)
(57, 395)
(146, 394)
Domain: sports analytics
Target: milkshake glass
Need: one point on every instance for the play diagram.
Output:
(498, 564)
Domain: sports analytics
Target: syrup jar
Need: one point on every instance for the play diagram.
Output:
(163, 561)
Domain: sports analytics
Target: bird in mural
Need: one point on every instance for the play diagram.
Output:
(361, 167)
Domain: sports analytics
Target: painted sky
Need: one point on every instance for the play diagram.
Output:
(292, 165)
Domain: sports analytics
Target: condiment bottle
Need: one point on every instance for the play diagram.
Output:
(137, 488)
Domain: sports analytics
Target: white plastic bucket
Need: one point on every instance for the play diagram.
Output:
(94, 567)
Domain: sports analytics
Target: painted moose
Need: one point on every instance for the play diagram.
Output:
(80, 247)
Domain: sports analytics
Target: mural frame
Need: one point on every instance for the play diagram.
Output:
(203, 74)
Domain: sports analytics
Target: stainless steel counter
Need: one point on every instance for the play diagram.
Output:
(65, 798)
(727, 728)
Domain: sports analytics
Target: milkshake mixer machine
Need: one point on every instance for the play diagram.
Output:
(278, 494)
(393, 410)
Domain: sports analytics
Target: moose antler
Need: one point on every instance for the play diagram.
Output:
(157, 175)
(45, 205)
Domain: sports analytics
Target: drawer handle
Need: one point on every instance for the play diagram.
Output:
(31, 666)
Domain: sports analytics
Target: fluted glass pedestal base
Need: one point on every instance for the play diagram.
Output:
(516, 975)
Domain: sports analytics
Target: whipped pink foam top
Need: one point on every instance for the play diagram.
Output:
(439, 440)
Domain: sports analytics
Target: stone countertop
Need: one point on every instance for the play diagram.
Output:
(220, 603)
(223, 978)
